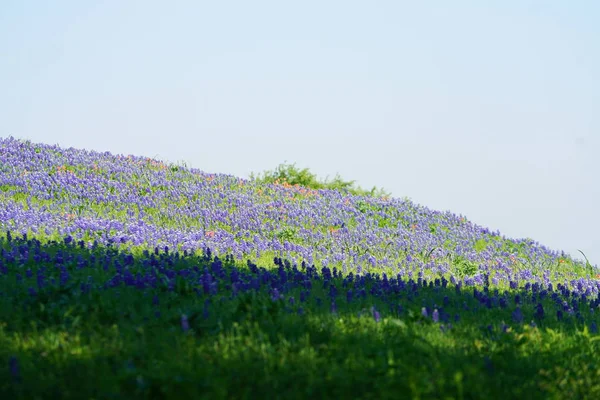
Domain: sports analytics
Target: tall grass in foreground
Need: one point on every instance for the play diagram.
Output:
(99, 323)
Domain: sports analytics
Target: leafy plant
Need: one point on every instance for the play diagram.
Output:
(464, 267)
(290, 174)
(287, 233)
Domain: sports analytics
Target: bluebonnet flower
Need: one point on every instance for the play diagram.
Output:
(517, 315)
(539, 311)
(503, 303)
(435, 315)
(303, 295)
(375, 313)
(349, 296)
(333, 307)
(424, 312)
(275, 295)
(185, 326)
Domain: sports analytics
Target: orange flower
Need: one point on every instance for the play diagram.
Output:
(210, 234)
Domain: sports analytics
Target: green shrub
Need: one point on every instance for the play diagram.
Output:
(289, 173)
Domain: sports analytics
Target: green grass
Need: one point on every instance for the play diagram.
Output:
(111, 344)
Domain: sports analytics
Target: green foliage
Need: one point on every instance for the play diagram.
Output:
(287, 233)
(464, 267)
(289, 173)
(480, 245)
(6, 188)
(588, 266)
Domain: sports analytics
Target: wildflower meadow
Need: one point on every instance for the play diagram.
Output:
(128, 277)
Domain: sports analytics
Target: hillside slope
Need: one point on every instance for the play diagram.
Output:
(124, 277)
(137, 201)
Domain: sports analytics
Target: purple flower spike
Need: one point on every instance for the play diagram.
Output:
(424, 312)
(517, 315)
(376, 316)
(185, 325)
(435, 315)
(333, 308)
(275, 295)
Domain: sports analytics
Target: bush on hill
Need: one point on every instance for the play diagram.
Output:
(289, 173)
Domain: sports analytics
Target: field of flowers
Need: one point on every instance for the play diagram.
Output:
(125, 277)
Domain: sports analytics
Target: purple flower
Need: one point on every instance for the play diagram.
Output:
(375, 313)
(333, 307)
(539, 311)
(436, 315)
(275, 295)
(424, 312)
(517, 315)
(185, 326)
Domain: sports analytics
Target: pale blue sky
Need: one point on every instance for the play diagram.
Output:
(490, 109)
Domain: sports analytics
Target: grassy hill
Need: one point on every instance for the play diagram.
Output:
(124, 276)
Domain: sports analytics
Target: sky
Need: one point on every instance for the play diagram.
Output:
(488, 109)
